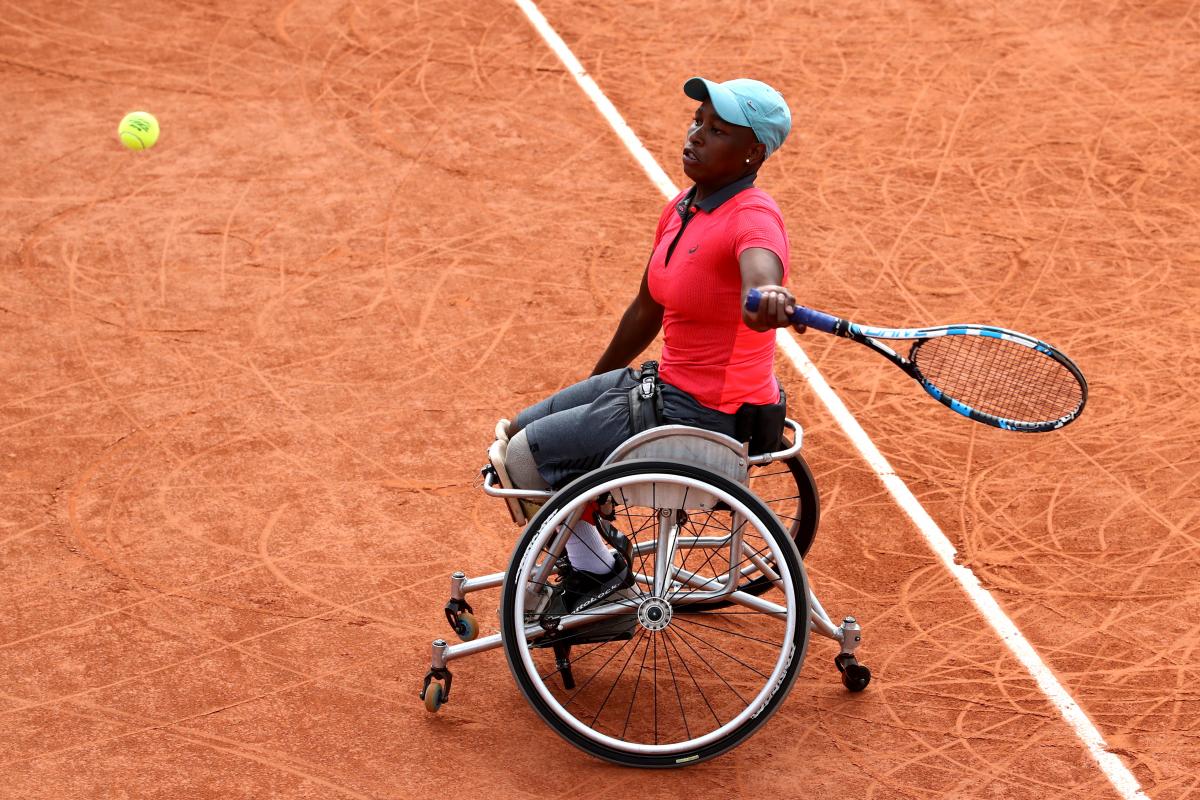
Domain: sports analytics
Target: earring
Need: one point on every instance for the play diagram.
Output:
(747, 161)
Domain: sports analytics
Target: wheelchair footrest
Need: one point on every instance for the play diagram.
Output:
(618, 629)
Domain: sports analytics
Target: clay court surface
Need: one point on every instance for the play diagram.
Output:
(249, 377)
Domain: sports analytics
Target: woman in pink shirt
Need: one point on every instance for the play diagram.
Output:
(714, 242)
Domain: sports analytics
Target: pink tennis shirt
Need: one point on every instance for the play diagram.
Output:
(708, 351)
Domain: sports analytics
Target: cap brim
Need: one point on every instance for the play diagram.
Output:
(723, 101)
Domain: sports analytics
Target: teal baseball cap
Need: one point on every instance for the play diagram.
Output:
(750, 103)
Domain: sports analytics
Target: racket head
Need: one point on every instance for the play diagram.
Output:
(999, 377)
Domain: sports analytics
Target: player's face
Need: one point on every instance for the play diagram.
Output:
(715, 151)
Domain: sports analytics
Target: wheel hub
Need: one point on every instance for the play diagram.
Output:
(654, 614)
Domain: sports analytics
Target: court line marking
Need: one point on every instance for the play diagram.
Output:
(1117, 773)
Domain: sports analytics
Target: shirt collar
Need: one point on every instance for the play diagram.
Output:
(714, 200)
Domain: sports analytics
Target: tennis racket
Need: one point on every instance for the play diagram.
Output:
(995, 376)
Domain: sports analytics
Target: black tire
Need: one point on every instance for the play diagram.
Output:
(743, 642)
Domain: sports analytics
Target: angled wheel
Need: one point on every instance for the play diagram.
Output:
(659, 677)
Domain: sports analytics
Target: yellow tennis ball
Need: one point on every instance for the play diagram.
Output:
(138, 130)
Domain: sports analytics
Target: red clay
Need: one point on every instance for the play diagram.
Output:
(250, 375)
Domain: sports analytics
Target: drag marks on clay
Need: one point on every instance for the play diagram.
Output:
(301, 385)
(954, 714)
(117, 566)
(936, 735)
(253, 368)
(307, 772)
(147, 612)
(89, 44)
(189, 672)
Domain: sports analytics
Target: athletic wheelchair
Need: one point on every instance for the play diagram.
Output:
(701, 649)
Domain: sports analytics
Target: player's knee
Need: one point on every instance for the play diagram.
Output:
(522, 469)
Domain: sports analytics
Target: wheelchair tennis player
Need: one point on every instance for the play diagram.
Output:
(655, 611)
(714, 242)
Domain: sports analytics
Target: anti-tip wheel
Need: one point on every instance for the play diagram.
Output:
(856, 677)
(467, 626)
(433, 697)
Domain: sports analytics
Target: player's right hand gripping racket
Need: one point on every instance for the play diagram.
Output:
(991, 375)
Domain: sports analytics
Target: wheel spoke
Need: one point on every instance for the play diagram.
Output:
(683, 596)
(593, 676)
(670, 641)
(637, 682)
(711, 669)
(675, 683)
(690, 621)
(654, 684)
(600, 710)
(730, 656)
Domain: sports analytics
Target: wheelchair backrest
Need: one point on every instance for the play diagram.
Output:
(708, 450)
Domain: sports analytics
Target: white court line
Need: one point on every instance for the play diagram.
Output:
(1120, 776)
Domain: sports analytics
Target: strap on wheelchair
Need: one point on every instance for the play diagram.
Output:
(645, 400)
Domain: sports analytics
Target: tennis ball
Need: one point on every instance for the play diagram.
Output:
(138, 130)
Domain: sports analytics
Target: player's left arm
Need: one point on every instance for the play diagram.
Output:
(762, 270)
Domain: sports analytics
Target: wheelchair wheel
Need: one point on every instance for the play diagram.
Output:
(649, 675)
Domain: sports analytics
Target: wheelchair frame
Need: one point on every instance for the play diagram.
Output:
(718, 457)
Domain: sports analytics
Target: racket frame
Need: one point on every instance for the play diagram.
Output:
(871, 335)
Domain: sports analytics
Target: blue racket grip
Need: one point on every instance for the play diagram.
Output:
(818, 320)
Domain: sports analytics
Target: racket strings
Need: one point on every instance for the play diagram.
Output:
(999, 377)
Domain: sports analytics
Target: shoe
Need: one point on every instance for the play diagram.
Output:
(616, 540)
(579, 590)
